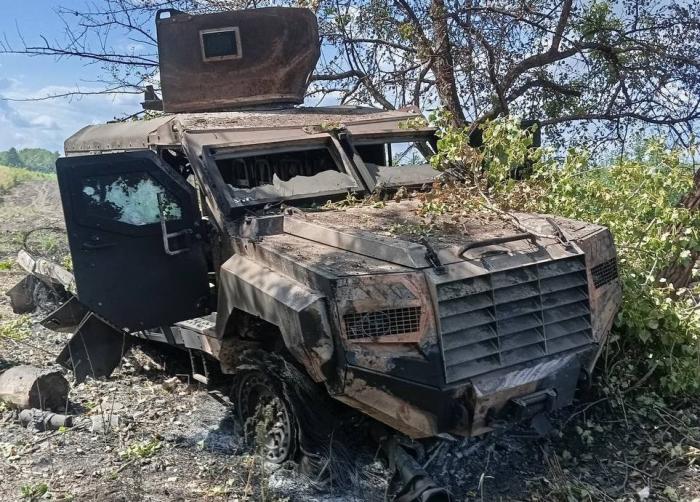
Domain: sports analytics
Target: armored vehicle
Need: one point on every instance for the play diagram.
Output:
(209, 228)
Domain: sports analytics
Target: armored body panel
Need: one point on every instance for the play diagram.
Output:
(235, 59)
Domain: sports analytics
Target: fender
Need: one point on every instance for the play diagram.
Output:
(300, 313)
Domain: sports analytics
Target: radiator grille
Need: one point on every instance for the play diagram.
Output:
(509, 317)
(604, 273)
(382, 323)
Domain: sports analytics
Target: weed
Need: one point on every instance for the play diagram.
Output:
(5, 265)
(415, 230)
(67, 262)
(350, 201)
(143, 449)
(34, 492)
(17, 329)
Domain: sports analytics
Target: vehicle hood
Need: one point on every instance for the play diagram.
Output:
(396, 237)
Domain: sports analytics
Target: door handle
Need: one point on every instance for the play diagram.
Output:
(167, 236)
(170, 235)
(97, 245)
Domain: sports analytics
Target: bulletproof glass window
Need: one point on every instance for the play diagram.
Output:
(133, 198)
(219, 44)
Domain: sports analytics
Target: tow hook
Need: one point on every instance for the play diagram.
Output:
(536, 407)
(528, 406)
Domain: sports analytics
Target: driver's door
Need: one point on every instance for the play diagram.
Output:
(136, 239)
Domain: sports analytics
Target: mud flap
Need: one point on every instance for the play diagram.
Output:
(22, 295)
(66, 317)
(94, 350)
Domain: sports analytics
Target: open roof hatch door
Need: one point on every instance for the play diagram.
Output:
(135, 235)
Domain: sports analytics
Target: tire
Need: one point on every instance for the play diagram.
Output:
(267, 418)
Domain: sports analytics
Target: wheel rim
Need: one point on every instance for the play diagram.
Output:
(266, 417)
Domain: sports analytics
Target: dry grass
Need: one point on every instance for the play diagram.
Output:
(11, 176)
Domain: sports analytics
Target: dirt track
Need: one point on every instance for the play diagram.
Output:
(174, 442)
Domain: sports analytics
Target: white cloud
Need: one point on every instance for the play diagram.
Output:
(48, 123)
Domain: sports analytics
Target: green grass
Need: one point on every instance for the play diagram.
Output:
(142, 449)
(11, 176)
(16, 329)
(34, 492)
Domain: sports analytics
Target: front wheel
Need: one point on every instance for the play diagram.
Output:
(266, 415)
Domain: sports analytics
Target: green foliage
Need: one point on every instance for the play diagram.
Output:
(5, 265)
(34, 492)
(144, 449)
(637, 198)
(67, 262)
(12, 158)
(10, 176)
(16, 329)
(598, 21)
(33, 159)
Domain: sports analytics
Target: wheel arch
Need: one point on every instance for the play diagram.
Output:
(298, 313)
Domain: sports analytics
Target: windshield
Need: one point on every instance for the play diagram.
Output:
(397, 162)
(296, 173)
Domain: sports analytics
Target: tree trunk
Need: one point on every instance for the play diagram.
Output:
(444, 63)
(680, 274)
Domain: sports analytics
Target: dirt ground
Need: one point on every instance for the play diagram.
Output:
(171, 440)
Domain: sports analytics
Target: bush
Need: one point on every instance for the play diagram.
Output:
(637, 197)
(10, 176)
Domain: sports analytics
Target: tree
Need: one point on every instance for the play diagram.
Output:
(601, 70)
(680, 271)
(13, 159)
(39, 159)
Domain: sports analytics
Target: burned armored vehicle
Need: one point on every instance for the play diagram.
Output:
(208, 228)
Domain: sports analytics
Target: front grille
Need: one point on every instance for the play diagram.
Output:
(513, 316)
(604, 273)
(382, 323)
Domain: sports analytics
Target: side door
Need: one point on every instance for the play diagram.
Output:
(136, 239)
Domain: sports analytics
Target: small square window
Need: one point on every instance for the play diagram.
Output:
(220, 44)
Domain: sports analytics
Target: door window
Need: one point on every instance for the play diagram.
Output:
(133, 198)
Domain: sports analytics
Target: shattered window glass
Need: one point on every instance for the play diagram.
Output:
(131, 198)
(279, 175)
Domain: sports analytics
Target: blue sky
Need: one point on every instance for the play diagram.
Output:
(47, 123)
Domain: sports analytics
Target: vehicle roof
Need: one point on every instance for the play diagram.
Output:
(237, 127)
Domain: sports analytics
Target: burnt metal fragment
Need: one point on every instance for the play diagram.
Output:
(416, 484)
(66, 317)
(95, 349)
(22, 295)
(41, 420)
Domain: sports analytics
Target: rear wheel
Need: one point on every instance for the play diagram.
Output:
(266, 415)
